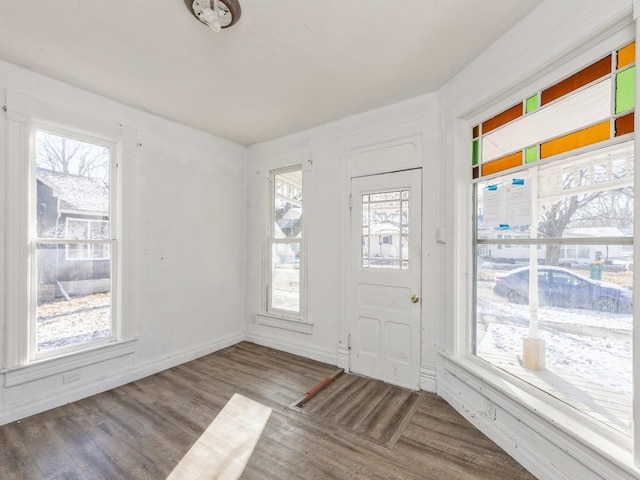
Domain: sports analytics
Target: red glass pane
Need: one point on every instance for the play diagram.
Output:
(577, 80)
(502, 118)
(624, 124)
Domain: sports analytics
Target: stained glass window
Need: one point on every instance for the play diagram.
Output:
(591, 106)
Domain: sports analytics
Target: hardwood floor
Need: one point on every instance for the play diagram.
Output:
(143, 429)
(372, 409)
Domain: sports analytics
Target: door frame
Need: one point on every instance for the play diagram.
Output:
(366, 155)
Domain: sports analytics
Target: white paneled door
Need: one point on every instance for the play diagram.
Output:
(385, 305)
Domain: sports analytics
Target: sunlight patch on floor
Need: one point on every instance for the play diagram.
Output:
(223, 450)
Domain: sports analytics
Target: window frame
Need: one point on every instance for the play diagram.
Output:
(112, 242)
(272, 241)
(463, 348)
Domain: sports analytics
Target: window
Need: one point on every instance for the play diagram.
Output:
(72, 225)
(286, 242)
(553, 180)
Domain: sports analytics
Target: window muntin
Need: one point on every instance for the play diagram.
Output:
(72, 241)
(385, 230)
(87, 230)
(285, 252)
(573, 224)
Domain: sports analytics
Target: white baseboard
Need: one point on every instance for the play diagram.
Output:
(159, 364)
(329, 356)
(428, 378)
(343, 357)
(118, 378)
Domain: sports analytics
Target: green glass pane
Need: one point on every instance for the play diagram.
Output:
(476, 152)
(625, 90)
(532, 103)
(531, 154)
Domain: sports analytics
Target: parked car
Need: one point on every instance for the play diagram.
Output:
(559, 287)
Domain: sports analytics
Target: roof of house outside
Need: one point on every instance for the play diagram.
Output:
(85, 194)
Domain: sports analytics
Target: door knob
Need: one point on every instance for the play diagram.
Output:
(415, 298)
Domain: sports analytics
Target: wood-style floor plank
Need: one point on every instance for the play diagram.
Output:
(143, 429)
(371, 408)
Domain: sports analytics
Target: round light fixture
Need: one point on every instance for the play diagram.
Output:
(216, 14)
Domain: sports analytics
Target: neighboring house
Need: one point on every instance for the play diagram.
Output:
(77, 208)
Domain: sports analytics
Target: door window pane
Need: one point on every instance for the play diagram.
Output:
(385, 222)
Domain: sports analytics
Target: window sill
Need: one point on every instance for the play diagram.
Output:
(55, 366)
(291, 324)
(538, 411)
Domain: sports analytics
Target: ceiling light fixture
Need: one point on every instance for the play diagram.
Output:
(216, 14)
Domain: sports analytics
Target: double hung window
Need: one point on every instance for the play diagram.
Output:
(72, 242)
(285, 250)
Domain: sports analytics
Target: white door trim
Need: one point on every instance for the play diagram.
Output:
(349, 169)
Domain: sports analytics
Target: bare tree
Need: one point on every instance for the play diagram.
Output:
(600, 208)
(71, 157)
(556, 218)
(613, 208)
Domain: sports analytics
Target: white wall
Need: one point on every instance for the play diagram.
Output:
(186, 224)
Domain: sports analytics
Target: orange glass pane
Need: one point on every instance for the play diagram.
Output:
(577, 80)
(626, 55)
(624, 124)
(476, 131)
(502, 118)
(503, 163)
(581, 138)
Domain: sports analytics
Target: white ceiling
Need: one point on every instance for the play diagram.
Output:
(286, 66)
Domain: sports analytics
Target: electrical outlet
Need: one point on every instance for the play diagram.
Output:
(69, 377)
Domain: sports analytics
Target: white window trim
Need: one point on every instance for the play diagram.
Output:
(64, 363)
(22, 113)
(282, 319)
(284, 323)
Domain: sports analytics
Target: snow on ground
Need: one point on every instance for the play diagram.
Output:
(592, 318)
(602, 361)
(600, 358)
